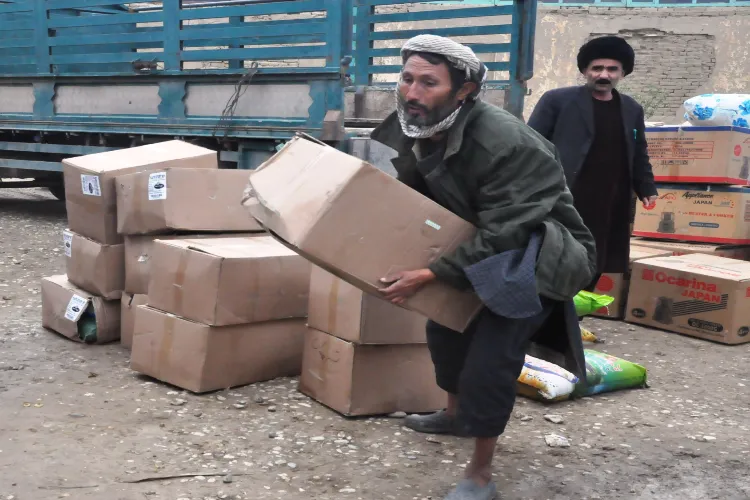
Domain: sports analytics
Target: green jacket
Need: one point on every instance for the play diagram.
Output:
(507, 180)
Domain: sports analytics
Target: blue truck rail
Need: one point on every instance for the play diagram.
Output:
(81, 76)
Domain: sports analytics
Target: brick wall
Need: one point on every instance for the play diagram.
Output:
(671, 67)
(680, 52)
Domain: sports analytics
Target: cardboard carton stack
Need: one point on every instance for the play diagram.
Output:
(85, 306)
(703, 206)
(167, 204)
(363, 355)
(702, 175)
(221, 312)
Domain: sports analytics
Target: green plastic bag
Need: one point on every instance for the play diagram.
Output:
(87, 327)
(605, 373)
(587, 302)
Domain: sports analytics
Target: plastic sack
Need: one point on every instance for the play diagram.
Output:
(605, 373)
(588, 302)
(542, 380)
(718, 110)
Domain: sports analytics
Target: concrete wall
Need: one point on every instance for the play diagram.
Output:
(680, 52)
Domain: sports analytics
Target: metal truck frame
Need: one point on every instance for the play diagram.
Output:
(239, 76)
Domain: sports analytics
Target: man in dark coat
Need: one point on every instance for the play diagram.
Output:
(599, 133)
(530, 256)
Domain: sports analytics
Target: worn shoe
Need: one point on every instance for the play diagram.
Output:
(469, 490)
(435, 423)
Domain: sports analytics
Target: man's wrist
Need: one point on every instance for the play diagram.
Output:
(428, 275)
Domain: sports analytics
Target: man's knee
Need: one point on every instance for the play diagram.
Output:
(448, 351)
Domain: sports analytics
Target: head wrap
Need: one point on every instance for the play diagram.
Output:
(460, 57)
(607, 47)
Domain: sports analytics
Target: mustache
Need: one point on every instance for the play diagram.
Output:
(603, 81)
(418, 105)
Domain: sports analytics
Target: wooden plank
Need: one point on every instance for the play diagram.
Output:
(265, 53)
(479, 48)
(280, 28)
(495, 29)
(435, 15)
(106, 19)
(262, 9)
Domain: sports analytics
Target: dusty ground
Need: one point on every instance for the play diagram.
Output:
(76, 423)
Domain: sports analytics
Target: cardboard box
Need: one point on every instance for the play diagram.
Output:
(203, 358)
(91, 201)
(228, 281)
(698, 214)
(698, 295)
(706, 155)
(139, 252)
(338, 308)
(360, 224)
(182, 199)
(740, 252)
(127, 318)
(95, 267)
(358, 380)
(138, 255)
(616, 284)
(67, 310)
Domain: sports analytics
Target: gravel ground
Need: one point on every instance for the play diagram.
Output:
(77, 423)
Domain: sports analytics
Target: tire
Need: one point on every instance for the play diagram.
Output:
(58, 191)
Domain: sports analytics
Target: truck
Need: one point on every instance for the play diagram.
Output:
(238, 76)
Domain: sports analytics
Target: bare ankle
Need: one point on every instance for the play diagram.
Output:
(480, 475)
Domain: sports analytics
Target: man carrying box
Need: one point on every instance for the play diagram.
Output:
(531, 255)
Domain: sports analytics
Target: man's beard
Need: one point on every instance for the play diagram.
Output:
(431, 116)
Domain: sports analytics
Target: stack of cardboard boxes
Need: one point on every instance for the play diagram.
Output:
(167, 204)
(221, 312)
(85, 305)
(363, 355)
(703, 213)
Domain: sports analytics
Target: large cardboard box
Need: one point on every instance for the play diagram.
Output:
(138, 255)
(741, 252)
(707, 155)
(182, 199)
(90, 182)
(72, 312)
(139, 252)
(228, 281)
(338, 308)
(701, 214)
(698, 295)
(203, 358)
(359, 224)
(96, 267)
(130, 304)
(616, 285)
(358, 380)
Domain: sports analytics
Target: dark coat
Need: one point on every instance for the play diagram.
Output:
(507, 180)
(566, 118)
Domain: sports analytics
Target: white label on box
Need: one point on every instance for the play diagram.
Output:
(76, 308)
(433, 225)
(157, 186)
(90, 185)
(68, 243)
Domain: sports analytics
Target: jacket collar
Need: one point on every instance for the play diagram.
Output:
(390, 133)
